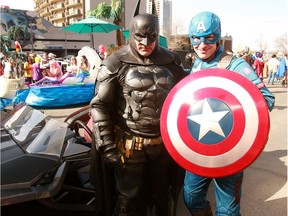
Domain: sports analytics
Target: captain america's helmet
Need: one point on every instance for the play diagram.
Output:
(202, 25)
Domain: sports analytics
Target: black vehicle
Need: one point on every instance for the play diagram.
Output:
(50, 167)
(49, 162)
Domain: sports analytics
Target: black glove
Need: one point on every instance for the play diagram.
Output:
(114, 158)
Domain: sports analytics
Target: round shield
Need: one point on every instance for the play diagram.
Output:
(215, 123)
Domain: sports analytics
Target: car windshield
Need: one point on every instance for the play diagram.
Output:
(36, 132)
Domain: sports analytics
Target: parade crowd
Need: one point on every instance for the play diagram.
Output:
(39, 68)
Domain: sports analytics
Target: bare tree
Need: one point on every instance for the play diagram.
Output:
(282, 43)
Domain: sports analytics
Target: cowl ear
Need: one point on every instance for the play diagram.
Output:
(137, 8)
(154, 11)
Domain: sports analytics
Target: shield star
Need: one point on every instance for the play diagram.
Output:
(208, 120)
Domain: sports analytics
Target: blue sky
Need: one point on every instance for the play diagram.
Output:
(247, 21)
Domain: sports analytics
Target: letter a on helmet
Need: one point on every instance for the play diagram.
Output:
(201, 26)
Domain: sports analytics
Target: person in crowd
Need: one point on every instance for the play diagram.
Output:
(258, 65)
(282, 70)
(51, 56)
(130, 90)
(1, 66)
(37, 72)
(272, 65)
(44, 64)
(55, 70)
(8, 68)
(265, 69)
(84, 69)
(102, 52)
(205, 33)
(73, 66)
(28, 70)
(190, 58)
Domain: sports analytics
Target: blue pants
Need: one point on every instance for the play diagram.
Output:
(227, 191)
(271, 76)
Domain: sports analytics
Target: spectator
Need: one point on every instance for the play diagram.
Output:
(37, 72)
(258, 65)
(102, 52)
(28, 70)
(272, 64)
(282, 70)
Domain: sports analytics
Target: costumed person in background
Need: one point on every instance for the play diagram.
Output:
(73, 67)
(258, 65)
(37, 72)
(44, 64)
(55, 70)
(84, 69)
(28, 70)
(130, 90)
(205, 33)
(102, 52)
(52, 80)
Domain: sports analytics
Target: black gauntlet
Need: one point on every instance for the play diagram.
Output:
(114, 157)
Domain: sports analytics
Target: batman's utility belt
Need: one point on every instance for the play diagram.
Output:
(137, 143)
(128, 143)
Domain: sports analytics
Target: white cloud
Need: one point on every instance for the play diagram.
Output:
(19, 4)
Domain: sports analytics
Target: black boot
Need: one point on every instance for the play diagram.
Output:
(126, 207)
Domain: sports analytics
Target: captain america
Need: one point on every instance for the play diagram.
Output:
(130, 89)
(205, 35)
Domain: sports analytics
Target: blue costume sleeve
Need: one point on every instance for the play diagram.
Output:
(240, 66)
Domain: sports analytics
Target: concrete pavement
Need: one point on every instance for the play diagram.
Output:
(265, 181)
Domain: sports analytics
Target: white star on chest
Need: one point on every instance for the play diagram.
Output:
(208, 120)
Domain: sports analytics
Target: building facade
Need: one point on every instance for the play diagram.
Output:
(164, 13)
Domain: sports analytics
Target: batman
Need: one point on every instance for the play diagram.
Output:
(130, 90)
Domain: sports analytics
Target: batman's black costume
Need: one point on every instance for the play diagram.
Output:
(129, 93)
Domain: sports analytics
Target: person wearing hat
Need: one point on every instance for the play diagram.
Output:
(205, 33)
(258, 64)
(130, 90)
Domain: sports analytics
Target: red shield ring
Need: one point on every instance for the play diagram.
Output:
(215, 123)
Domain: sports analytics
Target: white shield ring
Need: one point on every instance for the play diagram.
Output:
(215, 123)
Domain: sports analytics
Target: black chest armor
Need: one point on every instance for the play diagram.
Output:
(144, 91)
